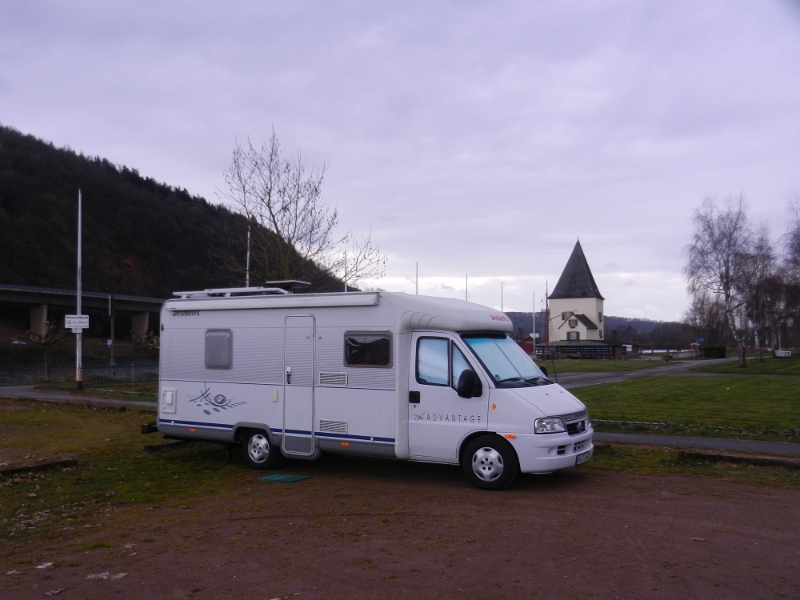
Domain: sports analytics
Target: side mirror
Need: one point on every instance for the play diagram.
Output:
(469, 385)
(543, 370)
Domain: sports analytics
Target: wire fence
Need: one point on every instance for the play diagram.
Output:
(133, 373)
(94, 373)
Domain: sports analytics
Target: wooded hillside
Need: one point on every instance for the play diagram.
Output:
(140, 236)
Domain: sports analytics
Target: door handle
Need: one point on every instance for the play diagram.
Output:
(288, 375)
(413, 397)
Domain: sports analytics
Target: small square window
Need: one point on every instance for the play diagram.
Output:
(573, 322)
(219, 349)
(368, 349)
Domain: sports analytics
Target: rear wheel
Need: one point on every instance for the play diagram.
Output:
(257, 451)
(490, 463)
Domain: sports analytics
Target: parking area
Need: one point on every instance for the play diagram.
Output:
(360, 528)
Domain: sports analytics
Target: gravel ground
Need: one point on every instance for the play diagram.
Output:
(369, 529)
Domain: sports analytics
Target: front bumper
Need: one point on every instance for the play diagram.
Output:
(538, 453)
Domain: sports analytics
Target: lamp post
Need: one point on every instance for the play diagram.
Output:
(79, 334)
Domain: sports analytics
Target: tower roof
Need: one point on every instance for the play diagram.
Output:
(576, 280)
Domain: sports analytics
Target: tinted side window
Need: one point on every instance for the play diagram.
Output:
(432, 361)
(458, 365)
(368, 350)
(219, 349)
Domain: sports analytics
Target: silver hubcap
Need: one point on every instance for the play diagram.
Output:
(258, 448)
(487, 463)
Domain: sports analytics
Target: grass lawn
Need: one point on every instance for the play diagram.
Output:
(769, 366)
(771, 403)
(113, 468)
(115, 473)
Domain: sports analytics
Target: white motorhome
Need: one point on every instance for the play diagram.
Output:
(370, 373)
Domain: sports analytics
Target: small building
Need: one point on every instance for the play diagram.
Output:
(576, 305)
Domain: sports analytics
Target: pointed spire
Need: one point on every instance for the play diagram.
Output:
(576, 280)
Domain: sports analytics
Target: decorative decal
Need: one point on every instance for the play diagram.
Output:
(186, 313)
(448, 418)
(498, 317)
(217, 402)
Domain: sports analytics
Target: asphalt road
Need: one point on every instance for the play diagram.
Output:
(573, 380)
(31, 393)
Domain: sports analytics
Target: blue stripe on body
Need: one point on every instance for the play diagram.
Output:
(339, 436)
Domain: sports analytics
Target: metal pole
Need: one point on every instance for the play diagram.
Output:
(533, 330)
(466, 287)
(247, 271)
(111, 337)
(417, 280)
(79, 335)
(501, 297)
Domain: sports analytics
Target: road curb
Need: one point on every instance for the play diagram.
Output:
(41, 466)
(760, 460)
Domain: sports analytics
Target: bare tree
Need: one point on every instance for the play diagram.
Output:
(706, 315)
(44, 342)
(790, 268)
(791, 240)
(357, 260)
(292, 231)
(760, 287)
(717, 259)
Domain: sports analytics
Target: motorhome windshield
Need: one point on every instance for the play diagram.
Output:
(505, 361)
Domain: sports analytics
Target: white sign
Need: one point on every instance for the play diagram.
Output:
(76, 322)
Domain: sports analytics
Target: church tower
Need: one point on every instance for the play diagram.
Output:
(576, 305)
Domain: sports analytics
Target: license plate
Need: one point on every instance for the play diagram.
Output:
(583, 457)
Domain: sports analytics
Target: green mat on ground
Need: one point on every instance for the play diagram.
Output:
(278, 478)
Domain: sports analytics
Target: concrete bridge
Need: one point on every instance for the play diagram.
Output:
(39, 307)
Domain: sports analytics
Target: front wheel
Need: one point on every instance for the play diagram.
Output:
(257, 452)
(490, 463)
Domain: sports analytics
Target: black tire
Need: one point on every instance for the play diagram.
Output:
(490, 463)
(258, 452)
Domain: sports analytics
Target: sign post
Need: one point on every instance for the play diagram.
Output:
(77, 323)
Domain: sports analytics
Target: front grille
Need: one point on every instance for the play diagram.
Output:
(576, 427)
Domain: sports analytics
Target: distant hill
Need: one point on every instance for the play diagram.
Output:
(140, 236)
(622, 330)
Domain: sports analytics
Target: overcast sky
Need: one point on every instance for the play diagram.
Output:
(472, 136)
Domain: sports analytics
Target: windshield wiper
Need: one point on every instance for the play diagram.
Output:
(531, 380)
(510, 379)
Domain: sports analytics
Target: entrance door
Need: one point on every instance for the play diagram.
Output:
(298, 385)
(438, 418)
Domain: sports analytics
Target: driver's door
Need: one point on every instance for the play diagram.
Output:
(438, 418)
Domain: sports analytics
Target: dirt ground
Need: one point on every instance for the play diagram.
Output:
(379, 529)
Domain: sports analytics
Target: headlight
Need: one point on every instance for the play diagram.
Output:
(548, 425)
